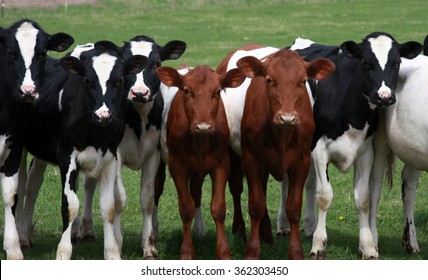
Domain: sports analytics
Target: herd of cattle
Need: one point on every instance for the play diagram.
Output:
(285, 113)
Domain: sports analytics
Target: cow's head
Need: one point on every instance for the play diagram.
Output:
(200, 89)
(143, 86)
(102, 72)
(285, 74)
(25, 46)
(380, 57)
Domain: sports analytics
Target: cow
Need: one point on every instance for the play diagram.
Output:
(401, 132)
(23, 52)
(197, 141)
(346, 116)
(83, 127)
(271, 124)
(139, 148)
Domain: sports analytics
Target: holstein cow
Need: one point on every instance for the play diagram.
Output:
(23, 49)
(402, 130)
(273, 131)
(346, 116)
(92, 104)
(139, 148)
(197, 138)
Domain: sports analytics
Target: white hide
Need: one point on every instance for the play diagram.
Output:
(403, 130)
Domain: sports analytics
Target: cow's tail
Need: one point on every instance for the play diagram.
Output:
(390, 168)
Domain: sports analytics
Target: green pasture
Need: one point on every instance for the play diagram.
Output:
(211, 29)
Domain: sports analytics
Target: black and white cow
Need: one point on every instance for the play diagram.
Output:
(346, 115)
(23, 49)
(84, 121)
(139, 149)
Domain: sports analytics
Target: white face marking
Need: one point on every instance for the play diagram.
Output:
(26, 36)
(103, 65)
(77, 52)
(380, 47)
(142, 48)
(103, 111)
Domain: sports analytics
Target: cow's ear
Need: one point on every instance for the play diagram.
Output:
(60, 42)
(410, 49)
(232, 79)
(320, 69)
(106, 46)
(72, 65)
(169, 76)
(172, 50)
(251, 67)
(135, 64)
(351, 49)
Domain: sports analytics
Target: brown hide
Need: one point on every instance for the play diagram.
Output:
(276, 133)
(197, 139)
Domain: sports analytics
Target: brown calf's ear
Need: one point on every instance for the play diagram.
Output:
(251, 67)
(232, 79)
(169, 76)
(320, 69)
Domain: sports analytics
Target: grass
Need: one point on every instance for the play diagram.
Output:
(211, 29)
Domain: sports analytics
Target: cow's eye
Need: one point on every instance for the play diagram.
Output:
(367, 66)
(187, 92)
(12, 55)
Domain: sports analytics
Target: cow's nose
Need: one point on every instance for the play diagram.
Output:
(203, 128)
(139, 94)
(29, 92)
(103, 113)
(287, 119)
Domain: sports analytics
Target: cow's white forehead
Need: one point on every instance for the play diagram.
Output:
(26, 35)
(141, 48)
(381, 46)
(103, 65)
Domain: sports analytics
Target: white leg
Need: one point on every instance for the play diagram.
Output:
(120, 202)
(283, 226)
(107, 208)
(150, 167)
(87, 223)
(69, 175)
(362, 169)
(410, 179)
(324, 196)
(381, 152)
(199, 227)
(11, 238)
(310, 222)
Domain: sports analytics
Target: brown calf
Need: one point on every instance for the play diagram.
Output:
(197, 140)
(276, 135)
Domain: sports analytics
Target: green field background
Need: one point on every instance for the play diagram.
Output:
(211, 29)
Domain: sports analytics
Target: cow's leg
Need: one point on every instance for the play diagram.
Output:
(297, 177)
(70, 204)
(324, 196)
(87, 232)
(159, 187)
(283, 225)
(362, 169)
(150, 168)
(107, 208)
(381, 152)
(34, 182)
(186, 207)
(9, 180)
(310, 222)
(409, 178)
(119, 203)
(218, 207)
(196, 183)
(21, 226)
(256, 203)
(236, 188)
